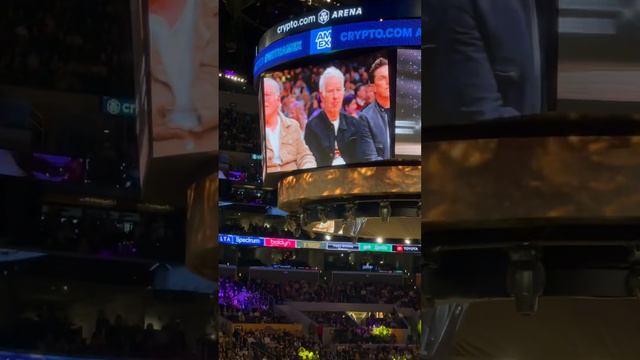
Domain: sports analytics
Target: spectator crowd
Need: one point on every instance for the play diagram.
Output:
(367, 352)
(267, 344)
(342, 320)
(68, 45)
(348, 331)
(304, 291)
(241, 305)
(53, 333)
(98, 232)
(300, 96)
(239, 131)
(283, 345)
(259, 230)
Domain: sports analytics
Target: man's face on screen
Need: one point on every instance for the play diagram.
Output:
(371, 93)
(332, 95)
(271, 100)
(362, 93)
(381, 82)
(287, 103)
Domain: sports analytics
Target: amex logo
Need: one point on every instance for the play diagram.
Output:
(323, 40)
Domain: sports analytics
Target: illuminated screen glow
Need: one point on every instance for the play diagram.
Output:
(20, 356)
(184, 66)
(409, 103)
(9, 164)
(228, 239)
(603, 80)
(57, 168)
(388, 33)
(354, 120)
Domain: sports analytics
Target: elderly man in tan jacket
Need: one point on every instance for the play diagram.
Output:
(286, 149)
(184, 76)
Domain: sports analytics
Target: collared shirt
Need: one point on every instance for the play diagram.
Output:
(337, 157)
(274, 139)
(336, 124)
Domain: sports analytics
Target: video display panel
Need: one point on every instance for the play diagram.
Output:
(489, 60)
(340, 112)
(598, 65)
(57, 168)
(409, 103)
(10, 164)
(360, 35)
(44, 167)
(184, 67)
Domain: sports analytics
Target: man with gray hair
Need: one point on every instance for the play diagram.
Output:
(334, 138)
(286, 149)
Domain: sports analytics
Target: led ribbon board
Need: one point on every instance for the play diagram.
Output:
(387, 33)
(240, 240)
(227, 239)
(18, 356)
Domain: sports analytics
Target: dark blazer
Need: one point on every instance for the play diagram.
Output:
(374, 128)
(490, 58)
(320, 136)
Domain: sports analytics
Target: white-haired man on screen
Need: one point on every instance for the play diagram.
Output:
(286, 149)
(334, 137)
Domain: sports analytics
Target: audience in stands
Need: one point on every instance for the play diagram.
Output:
(273, 231)
(245, 195)
(70, 45)
(239, 131)
(241, 305)
(332, 319)
(348, 331)
(52, 333)
(342, 320)
(347, 292)
(360, 335)
(351, 352)
(300, 95)
(283, 345)
(267, 344)
(390, 320)
(259, 230)
(100, 233)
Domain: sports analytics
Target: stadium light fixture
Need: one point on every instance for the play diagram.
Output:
(385, 211)
(322, 214)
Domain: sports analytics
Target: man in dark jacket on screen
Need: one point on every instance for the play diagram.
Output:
(491, 57)
(334, 138)
(377, 118)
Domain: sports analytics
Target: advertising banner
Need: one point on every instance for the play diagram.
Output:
(280, 243)
(388, 33)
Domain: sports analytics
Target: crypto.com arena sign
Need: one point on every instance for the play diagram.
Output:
(323, 17)
(369, 11)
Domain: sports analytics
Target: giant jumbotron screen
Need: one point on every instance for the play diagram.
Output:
(340, 95)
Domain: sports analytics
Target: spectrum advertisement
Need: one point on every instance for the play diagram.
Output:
(368, 34)
(240, 240)
(227, 239)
